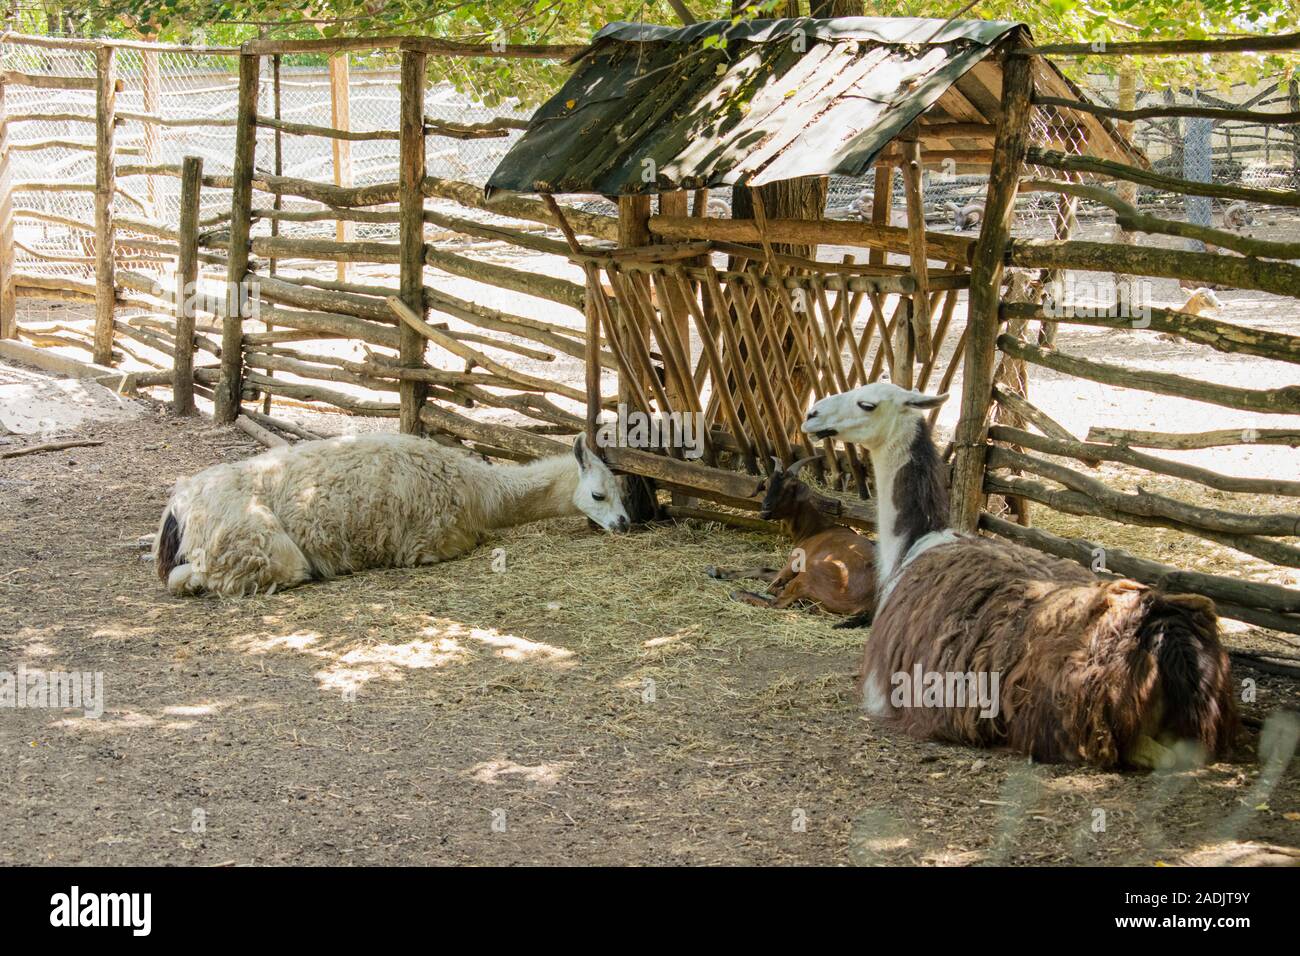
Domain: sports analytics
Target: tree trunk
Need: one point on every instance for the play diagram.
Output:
(802, 198)
(836, 8)
(805, 197)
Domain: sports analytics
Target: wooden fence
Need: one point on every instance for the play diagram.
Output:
(747, 346)
(1047, 465)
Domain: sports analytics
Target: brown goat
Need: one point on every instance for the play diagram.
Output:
(830, 566)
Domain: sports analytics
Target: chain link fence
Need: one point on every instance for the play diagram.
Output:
(52, 158)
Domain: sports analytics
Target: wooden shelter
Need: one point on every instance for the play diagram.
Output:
(652, 110)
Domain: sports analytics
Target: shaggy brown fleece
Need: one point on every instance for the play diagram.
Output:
(1087, 668)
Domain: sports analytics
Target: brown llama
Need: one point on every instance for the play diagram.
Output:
(1106, 672)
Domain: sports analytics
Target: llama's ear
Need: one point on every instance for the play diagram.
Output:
(917, 400)
(580, 450)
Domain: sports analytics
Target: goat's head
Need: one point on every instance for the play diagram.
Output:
(1200, 301)
(964, 217)
(1238, 216)
(785, 492)
(597, 494)
(872, 415)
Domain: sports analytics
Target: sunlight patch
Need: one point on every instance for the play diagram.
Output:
(493, 772)
(385, 661)
(297, 641)
(110, 722)
(509, 647)
(413, 654)
(514, 648)
(883, 844)
(678, 642)
(1079, 783)
(1228, 626)
(192, 710)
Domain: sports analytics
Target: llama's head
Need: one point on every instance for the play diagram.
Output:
(785, 491)
(597, 494)
(872, 415)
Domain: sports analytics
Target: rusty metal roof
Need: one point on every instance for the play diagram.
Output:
(652, 108)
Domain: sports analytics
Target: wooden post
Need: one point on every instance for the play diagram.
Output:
(882, 198)
(241, 209)
(150, 102)
(411, 169)
(986, 279)
(105, 118)
(1067, 208)
(677, 319)
(273, 267)
(1126, 286)
(633, 230)
(591, 311)
(340, 118)
(187, 281)
(8, 299)
(634, 220)
(278, 202)
(903, 374)
(920, 311)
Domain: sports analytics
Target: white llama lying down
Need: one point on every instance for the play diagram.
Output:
(323, 508)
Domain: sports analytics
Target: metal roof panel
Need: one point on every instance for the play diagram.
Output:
(652, 108)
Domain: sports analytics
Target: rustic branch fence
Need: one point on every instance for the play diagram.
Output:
(1012, 460)
(642, 301)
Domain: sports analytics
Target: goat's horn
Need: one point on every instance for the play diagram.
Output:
(794, 469)
(776, 465)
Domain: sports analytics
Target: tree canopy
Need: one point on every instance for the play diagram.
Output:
(568, 21)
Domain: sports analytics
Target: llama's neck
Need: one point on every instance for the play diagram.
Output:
(518, 494)
(911, 497)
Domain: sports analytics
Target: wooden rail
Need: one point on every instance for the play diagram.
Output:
(1258, 43)
(424, 45)
(1218, 113)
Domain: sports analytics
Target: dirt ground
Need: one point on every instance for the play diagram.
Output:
(598, 701)
(457, 715)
